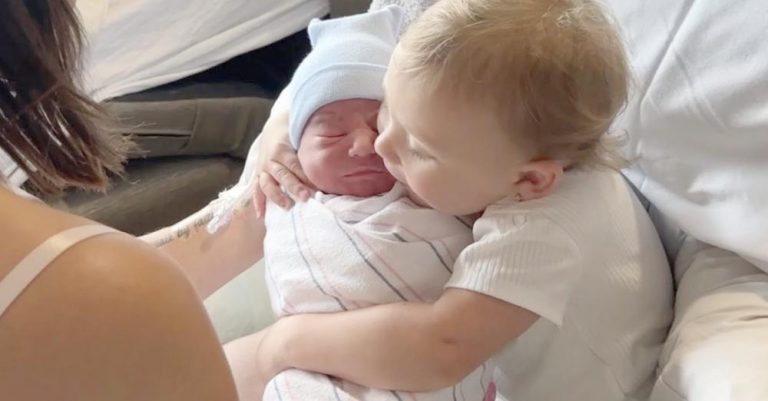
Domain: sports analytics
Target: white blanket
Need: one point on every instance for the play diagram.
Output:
(139, 44)
(698, 120)
(337, 253)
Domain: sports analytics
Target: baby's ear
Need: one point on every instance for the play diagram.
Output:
(537, 179)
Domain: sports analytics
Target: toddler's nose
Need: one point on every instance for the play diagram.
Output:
(384, 146)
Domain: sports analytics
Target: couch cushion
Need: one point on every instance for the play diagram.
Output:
(155, 193)
(193, 118)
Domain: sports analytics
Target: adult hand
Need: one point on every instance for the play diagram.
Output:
(278, 170)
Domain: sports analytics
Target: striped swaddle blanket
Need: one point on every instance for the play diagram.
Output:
(338, 253)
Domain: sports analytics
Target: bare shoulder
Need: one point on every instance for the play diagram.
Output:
(111, 318)
(123, 265)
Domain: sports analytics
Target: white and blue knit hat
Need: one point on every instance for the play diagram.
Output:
(348, 60)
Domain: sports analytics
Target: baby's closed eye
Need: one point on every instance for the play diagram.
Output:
(326, 129)
(334, 134)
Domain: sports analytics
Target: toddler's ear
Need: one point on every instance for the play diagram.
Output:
(537, 179)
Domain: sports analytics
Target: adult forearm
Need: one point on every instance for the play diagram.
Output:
(211, 260)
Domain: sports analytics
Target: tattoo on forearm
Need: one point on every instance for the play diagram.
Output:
(191, 227)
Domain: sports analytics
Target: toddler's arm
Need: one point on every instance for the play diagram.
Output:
(405, 346)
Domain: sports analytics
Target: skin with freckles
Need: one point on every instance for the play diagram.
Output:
(337, 149)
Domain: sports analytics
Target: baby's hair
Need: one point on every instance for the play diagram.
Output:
(555, 70)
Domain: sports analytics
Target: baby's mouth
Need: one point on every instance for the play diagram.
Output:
(366, 172)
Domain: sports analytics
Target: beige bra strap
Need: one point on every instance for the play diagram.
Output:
(25, 272)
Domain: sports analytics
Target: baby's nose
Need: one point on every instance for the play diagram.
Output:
(362, 142)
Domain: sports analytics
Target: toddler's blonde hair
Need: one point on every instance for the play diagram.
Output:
(554, 70)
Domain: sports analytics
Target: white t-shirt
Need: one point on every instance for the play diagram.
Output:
(588, 260)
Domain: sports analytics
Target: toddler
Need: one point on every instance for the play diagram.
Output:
(501, 107)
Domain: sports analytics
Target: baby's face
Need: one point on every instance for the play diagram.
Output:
(336, 150)
(453, 155)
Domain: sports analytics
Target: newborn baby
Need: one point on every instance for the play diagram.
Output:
(336, 150)
(360, 241)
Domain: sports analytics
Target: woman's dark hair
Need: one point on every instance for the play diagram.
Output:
(47, 126)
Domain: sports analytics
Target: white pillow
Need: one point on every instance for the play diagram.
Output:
(698, 119)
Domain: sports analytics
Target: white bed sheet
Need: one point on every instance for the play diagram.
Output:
(138, 44)
(698, 120)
